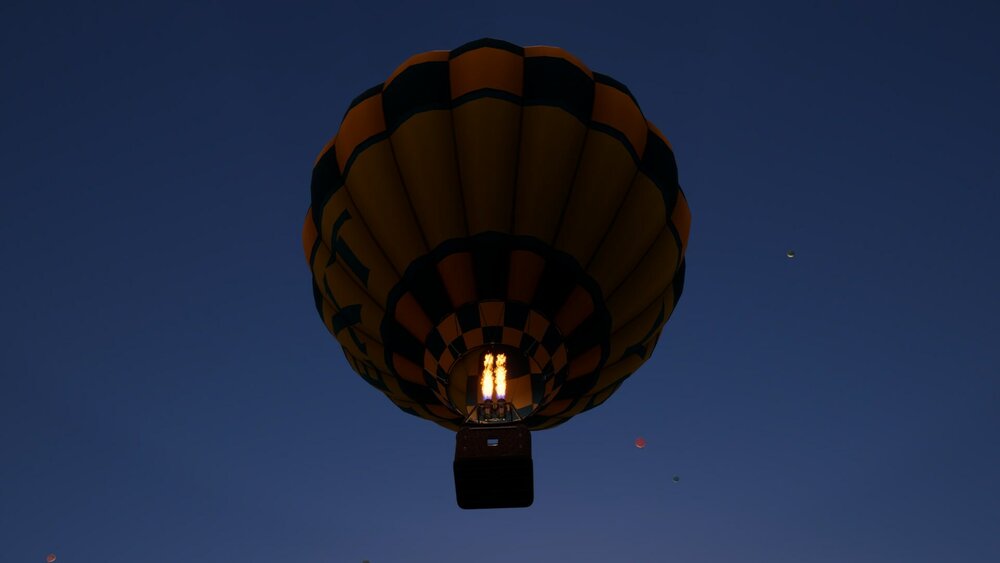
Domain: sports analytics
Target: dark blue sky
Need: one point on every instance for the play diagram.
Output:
(168, 392)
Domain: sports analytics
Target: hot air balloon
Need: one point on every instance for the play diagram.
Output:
(496, 237)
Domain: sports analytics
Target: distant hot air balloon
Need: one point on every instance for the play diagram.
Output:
(640, 443)
(790, 254)
(496, 236)
(677, 478)
(50, 558)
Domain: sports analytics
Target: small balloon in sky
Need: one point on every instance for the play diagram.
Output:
(50, 558)
(640, 443)
(790, 253)
(677, 478)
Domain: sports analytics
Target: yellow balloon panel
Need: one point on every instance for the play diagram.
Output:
(377, 192)
(551, 140)
(487, 135)
(424, 147)
(637, 335)
(641, 219)
(345, 231)
(649, 279)
(602, 179)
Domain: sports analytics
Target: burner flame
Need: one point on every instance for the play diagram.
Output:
(494, 377)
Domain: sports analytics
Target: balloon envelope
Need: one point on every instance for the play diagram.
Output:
(496, 199)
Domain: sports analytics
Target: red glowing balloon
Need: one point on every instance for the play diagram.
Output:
(50, 558)
(640, 443)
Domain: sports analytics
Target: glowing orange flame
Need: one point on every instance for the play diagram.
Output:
(501, 376)
(487, 386)
(494, 376)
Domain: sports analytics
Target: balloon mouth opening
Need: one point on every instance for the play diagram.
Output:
(495, 383)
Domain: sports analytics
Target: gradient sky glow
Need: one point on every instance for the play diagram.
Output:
(168, 393)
